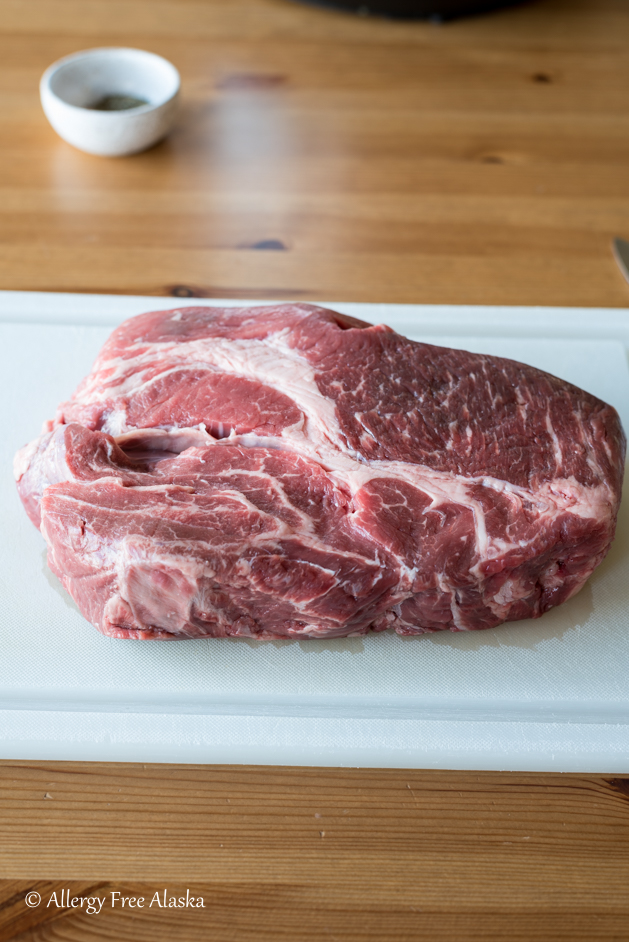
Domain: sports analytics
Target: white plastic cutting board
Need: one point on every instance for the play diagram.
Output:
(551, 694)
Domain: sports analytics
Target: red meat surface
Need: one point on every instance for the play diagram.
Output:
(287, 472)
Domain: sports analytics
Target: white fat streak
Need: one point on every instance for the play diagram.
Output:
(454, 606)
(270, 361)
(556, 445)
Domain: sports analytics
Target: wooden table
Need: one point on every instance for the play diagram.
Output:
(326, 157)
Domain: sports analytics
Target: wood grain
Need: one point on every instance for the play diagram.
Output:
(323, 156)
(316, 853)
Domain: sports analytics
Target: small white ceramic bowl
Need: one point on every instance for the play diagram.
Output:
(73, 88)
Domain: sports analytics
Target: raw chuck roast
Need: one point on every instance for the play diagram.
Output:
(289, 472)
